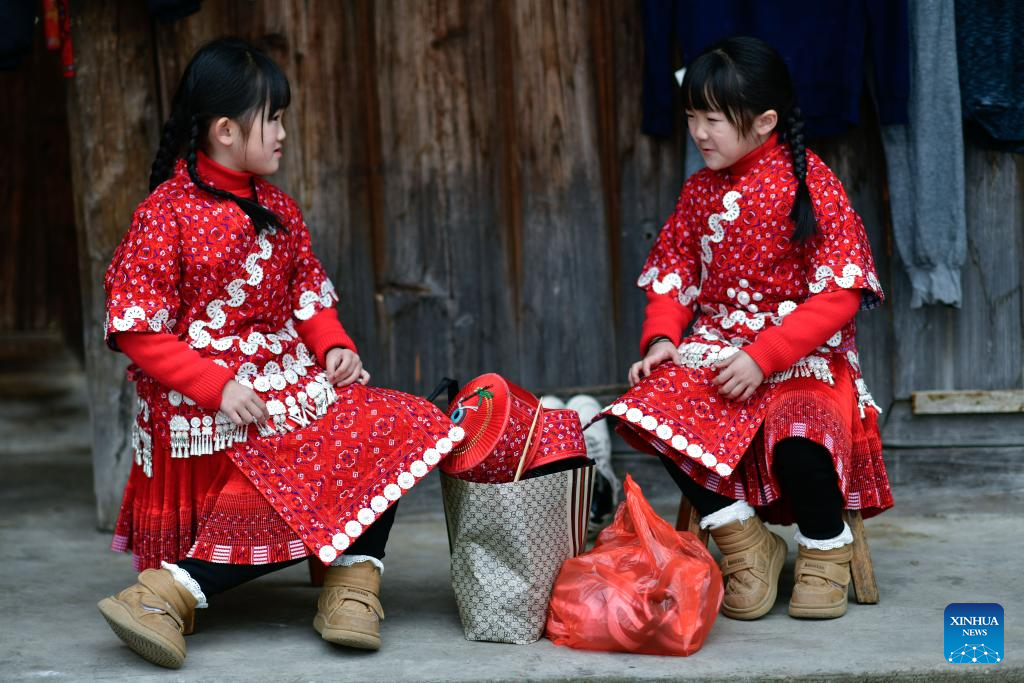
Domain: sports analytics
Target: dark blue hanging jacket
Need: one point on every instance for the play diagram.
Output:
(990, 54)
(825, 44)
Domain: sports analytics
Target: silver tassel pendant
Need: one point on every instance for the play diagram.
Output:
(196, 446)
(223, 431)
(207, 436)
(179, 437)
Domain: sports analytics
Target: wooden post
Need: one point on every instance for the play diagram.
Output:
(113, 124)
(861, 569)
(688, 519)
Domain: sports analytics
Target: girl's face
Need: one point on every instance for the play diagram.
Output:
(720, 142)
(258, 152)
(263, 146)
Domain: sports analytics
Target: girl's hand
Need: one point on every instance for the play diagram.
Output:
(344, 367)
(658, 353)
(739, 376)
(242, 405)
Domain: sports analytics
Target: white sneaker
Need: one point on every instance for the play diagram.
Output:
(551, 402)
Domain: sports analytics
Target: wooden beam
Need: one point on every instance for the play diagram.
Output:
(114, 126)
(904, 429)
(967, 402)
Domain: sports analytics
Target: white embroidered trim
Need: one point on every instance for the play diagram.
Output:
(309, 299)
(273, 376)
(728, 318)
(649, 423)
(845, 538)
(349, 560)
(713, 334)
(851, 271)
(731, 213)
(737, 512)
(201, 338)
(671, 281)
(186, 580)
(392, 492)
(256, 340)
(142, 441)
(161, 320)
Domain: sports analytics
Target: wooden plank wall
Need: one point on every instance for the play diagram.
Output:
(476, 181)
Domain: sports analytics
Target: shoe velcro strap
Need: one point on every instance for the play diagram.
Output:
(756, 562)
(343, 593)
(830, 571)
(157, 605)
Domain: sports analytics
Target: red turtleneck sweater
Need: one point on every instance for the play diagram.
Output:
(176, 365)
(776, 348)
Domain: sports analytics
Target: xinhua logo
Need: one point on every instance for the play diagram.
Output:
(973, 633)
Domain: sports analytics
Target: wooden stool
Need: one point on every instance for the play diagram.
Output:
(861, 570)
(317, 572)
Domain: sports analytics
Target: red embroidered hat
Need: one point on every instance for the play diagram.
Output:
(499, 418)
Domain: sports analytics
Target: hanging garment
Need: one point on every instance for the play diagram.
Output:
(823, 43)
(925, 162)
(991, 61)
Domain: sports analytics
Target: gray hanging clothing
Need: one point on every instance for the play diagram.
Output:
(925, 161)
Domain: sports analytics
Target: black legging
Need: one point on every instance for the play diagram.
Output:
(807, 477)
(214, 578)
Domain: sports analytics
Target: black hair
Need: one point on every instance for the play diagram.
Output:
(743, 77)
(226, 77)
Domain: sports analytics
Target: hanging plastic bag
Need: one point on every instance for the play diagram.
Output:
(644, 588)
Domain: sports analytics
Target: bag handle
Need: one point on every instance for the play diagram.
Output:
(529, 438)
(449, 384)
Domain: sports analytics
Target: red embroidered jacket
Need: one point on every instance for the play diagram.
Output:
(191, 266)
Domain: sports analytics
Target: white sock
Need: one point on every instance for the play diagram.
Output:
(737, 512)
(349, 560)
(845, 538)
(186, 580)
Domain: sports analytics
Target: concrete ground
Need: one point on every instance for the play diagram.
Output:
(948, 540)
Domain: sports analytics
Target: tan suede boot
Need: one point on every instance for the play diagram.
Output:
(752, 559)
(152, 616)
(822, 583)
(349, 610)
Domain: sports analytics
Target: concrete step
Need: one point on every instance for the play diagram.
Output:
(922, 562)
(43, 405)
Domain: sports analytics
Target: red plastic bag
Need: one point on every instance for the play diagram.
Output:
(644, 588)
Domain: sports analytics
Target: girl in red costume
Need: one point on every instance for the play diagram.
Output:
(760, 413)
(257, 440)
